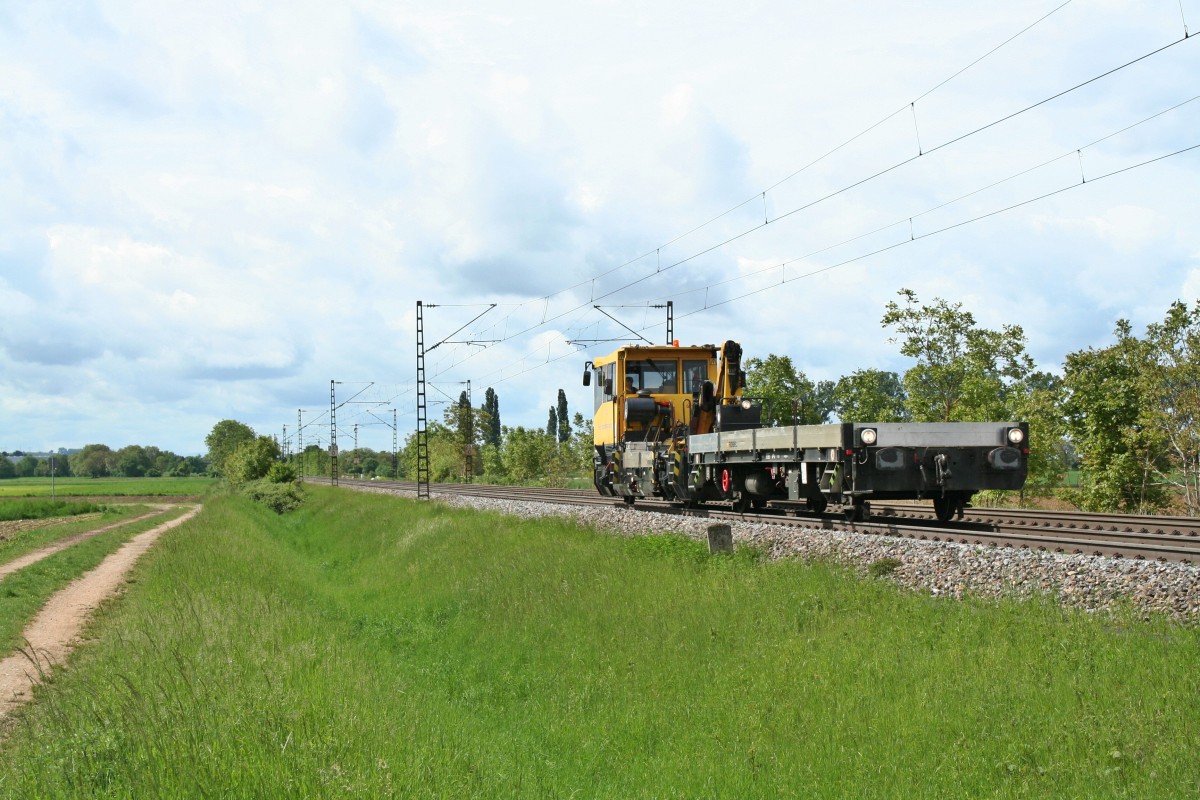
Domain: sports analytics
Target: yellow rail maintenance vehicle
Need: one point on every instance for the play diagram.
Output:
(672, 422)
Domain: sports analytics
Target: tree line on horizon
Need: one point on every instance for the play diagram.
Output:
(101, 461)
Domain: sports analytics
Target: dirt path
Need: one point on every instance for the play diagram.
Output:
(55, 630)
(51, 549)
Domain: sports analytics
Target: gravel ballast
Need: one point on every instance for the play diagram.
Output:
(942, 569)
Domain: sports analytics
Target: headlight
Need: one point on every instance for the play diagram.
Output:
(746, 404)
(868, 436)
(1016, 435)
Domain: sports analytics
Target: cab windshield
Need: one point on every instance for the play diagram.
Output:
(653, 375)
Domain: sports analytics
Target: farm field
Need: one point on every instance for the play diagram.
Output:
(369, 646)
(106, 487)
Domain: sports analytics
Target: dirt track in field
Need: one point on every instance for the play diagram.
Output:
(51, 549)
(55, 630)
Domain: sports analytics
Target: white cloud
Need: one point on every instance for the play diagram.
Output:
(220, 207)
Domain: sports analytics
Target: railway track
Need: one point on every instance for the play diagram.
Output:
(1113, 535)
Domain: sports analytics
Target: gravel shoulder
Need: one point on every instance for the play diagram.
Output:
(55, 631)
(941, 569)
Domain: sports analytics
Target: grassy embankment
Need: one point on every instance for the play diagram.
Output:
(106, 487)
(24, 592)
(370, 646)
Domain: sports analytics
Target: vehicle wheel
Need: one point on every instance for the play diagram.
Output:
(818, 504)
(759, 503)
(628, 498)
(741, 504)
(943, 509)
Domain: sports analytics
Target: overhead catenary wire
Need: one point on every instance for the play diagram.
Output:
(909, 219)
(842, 190)
(950, 227)
(785, 179)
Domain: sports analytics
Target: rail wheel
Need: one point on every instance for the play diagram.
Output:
(759, 503)
(818, 504)
(628, 498)
(741, 504)
(943, 508)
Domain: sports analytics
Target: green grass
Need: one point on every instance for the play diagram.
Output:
(19, 543)
(24, 592)
(45, 509)
(106, 487)
(368, 646)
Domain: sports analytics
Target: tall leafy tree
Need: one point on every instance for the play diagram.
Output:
(790, 398)
(1108, 393)
(7, 470)
(491, 405)
(963, 371)
(93, 461)
(552, 423)
(871, 395)
(132, 461)
(224, 438)
(564, 423)
(1173, 412)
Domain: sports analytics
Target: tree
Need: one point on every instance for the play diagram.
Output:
(552, 423)
(581, 445)
(251, 460)
(871, 395)
(132, 461)
(62, 467)
(789, 397)
(491, 405)
(7, 470)
(1038, 400)
(226, 436)
(1173, 410)
(963, 371)
(1107, 397)
(26, 467)
(93, 461)
(564, 425)
(528, 454)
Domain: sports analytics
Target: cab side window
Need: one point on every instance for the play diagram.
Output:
(603, 385)
(694, 375)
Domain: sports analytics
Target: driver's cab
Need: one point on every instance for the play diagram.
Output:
(644, 392)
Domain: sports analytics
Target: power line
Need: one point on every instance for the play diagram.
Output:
(762, 193)
(833, 194)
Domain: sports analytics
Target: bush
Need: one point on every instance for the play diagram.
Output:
(279, 497)
(281, 473)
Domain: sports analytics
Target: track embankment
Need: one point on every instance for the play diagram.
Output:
(935, 561)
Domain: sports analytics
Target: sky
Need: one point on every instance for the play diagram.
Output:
(211, 211)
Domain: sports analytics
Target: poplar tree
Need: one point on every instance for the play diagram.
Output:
(491, 405)
(564, 420)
